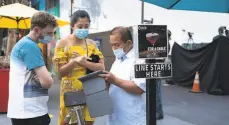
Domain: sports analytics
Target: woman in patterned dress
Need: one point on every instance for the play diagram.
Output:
(70, 59)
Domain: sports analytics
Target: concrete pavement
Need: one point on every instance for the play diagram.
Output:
(195, 108)
(180, 107)
(168, 120)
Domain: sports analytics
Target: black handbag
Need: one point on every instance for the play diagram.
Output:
(94, 59)
(75, 98)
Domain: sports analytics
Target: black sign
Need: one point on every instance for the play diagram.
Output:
(156, 70)
(152, 41)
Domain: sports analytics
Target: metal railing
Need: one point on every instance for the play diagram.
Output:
(79, 115)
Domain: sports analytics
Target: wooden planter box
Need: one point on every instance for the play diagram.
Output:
(4, 89)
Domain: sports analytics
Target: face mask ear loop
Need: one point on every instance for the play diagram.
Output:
(129, 48)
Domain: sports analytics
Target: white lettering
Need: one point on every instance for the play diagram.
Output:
(151, 67)
(147, 67)
(169, 66)
(153, 74)
(159, 67)
(153, 70)
(163, 67)
(148, 75)
(157, 48)
(142, 27)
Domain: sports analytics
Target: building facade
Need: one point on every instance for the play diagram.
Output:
(94, 10)
(52, 7)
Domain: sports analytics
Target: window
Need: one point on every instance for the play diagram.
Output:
(50, 4)
(36, 6)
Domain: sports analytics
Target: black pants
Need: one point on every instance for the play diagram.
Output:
(42, 120)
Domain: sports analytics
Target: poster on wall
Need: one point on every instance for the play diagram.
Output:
(151, 41)
(98, 43)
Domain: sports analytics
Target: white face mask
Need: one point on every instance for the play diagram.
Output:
(119, 53)
(46, 39)
(81, 33)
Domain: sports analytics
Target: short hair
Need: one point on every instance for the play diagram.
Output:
(79, 14)
(227, 32)
(43, 19)
(221, 29)
(124, 33)
(169, 33)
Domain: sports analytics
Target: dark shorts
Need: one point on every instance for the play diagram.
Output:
(42, 120)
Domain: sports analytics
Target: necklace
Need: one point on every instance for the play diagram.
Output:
(85, 47)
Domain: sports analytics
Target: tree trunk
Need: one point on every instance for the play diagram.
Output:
(12, 36)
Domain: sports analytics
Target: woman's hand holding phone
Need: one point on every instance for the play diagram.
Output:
(76, 57)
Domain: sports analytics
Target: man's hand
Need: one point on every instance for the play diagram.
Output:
(109, 77)
(36, 77)
(126, 85)
(53, 75)
(44, 77)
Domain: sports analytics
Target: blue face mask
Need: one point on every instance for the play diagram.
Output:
(46, 39)
(119, 53)
(81, 33)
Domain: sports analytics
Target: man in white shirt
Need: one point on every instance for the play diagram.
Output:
(126, 92)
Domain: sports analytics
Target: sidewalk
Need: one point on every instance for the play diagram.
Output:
(168, 120)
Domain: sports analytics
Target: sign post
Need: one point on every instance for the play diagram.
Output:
(151, 98)
(152, 46)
